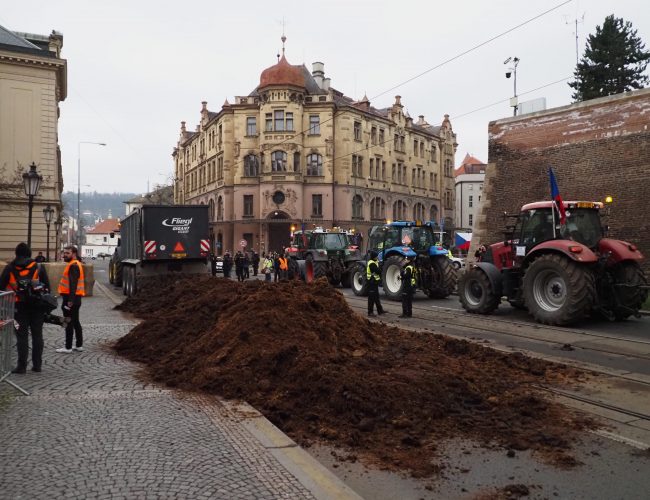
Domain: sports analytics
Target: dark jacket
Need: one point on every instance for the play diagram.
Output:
(20, 263)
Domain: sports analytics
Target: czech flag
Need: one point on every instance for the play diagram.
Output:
(463, 240)
(555, 194)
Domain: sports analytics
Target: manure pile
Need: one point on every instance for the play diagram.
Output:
(320, 372)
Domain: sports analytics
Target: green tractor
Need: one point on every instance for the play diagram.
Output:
(325, 253)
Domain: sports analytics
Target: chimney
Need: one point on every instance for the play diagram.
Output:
(183, 129)
(318, 72)
(421, 120)
(326, 83)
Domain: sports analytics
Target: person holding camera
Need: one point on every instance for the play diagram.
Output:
(19, 276)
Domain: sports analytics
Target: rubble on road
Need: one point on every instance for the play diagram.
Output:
(320, 372)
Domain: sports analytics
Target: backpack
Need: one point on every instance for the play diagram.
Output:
(33, 293)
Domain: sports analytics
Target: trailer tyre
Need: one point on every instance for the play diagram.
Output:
(359, 281)
(476, 293)
(124, 280)
(558, 291)
(117, 273)
(390, 277)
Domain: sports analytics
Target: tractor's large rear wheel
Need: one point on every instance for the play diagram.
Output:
(558, 291)
(390, 277)
(476, 293)
(629, 298)
(314, 269)
(359, 281)
(443, 277)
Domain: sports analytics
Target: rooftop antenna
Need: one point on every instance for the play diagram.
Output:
(577, 20)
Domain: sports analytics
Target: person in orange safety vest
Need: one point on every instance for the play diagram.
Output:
(29, 317)
(71, 288)
(284, 267)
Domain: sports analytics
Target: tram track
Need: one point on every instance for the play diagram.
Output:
(455, 320)
(464, 320)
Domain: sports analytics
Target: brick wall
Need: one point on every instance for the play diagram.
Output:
(596, 148)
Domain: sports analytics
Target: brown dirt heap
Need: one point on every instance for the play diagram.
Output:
(319, 371)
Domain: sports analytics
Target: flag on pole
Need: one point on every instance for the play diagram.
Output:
(557, 198)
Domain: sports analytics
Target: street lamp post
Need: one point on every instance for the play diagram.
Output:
(79, 187)
(31, 182)
(48, 213)
(57, 230)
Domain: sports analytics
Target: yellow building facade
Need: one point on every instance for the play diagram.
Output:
(33, 80)
(297, 153)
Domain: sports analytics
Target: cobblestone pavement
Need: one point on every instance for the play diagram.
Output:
(91, 429)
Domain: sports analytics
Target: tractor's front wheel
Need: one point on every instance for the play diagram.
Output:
(359, 281)
(476, 293)
(558, 291)
(629, 296)
(390, 277)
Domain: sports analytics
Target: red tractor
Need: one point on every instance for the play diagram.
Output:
(559, 273)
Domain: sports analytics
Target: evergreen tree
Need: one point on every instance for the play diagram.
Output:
(614, 61)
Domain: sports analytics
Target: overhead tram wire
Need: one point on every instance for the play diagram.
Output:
(510, 30)
(456, 117)
(473, 48)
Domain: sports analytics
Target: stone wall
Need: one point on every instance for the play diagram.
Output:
(596, 148)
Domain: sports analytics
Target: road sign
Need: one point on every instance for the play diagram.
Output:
(243, 243)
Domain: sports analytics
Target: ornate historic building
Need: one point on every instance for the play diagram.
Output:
(33, 80)
(296, 153)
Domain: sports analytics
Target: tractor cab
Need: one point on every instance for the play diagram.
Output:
(539, 222)
(406, 238)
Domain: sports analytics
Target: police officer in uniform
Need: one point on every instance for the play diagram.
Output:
(373, 278)
(408, 288)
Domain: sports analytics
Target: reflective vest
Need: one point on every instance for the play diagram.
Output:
(268, 263)
(283, 264)
(23, 272)
(412, 268)
(64, 285)
(373, 275)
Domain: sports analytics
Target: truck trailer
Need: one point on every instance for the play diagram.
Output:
(160, 239)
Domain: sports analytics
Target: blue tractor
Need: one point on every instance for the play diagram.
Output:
(395, 242)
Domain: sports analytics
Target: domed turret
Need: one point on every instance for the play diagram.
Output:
(282, 73)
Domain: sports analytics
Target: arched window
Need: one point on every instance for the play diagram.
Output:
(399, 210)
(220, 208)
(357, 207)
(278, 161)
(314, 164)
(377, 209)
(211, 209)
(418, 211)
(433, 213)
(251, 166)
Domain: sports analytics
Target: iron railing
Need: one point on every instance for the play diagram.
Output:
(7, 338)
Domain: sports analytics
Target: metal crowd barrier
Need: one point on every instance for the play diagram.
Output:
(7, 338)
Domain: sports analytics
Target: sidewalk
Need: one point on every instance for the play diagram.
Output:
(91, 429)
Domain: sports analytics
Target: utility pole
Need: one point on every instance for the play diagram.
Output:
(512, 71)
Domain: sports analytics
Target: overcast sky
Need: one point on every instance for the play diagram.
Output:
(136, 69)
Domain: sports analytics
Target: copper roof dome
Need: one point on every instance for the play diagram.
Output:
(282, 73)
